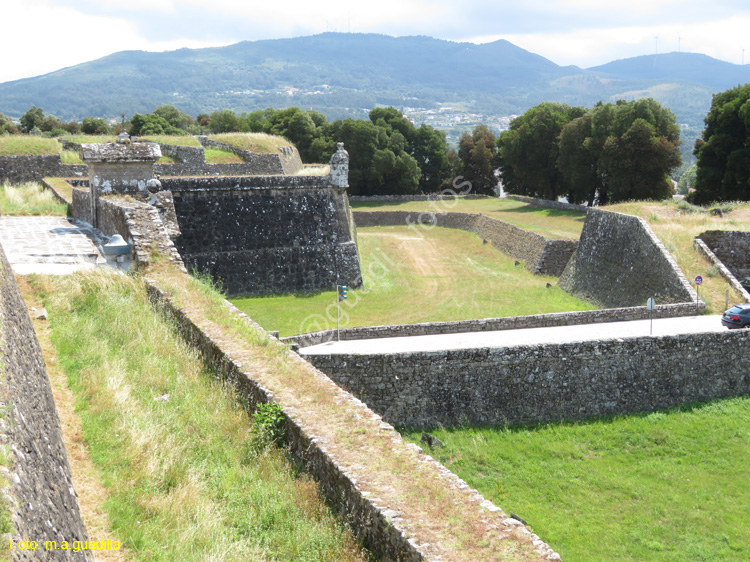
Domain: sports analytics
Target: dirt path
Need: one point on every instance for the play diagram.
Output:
(88, 485)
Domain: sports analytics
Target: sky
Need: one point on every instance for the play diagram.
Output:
(40, 36)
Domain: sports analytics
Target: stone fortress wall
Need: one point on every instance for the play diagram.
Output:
(621, 262)
(39, 496)
(541, 256)
(732, 247)
(496, 324)
(267, 234)
(544, 383)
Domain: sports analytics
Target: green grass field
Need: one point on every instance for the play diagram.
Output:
(663, 487)
(254, 142)
(550, 223)
(419, 275)
(174, 448)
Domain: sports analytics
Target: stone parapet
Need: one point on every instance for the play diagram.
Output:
(497, 324)
(544, 383)
(40, 497)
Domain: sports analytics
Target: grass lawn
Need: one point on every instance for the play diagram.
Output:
(216, 156)
(663, 487)
(254, 142)
(29, 198)
(410, 276)
(175, 450)
(17, 145)
(550, 223)
(676, 224)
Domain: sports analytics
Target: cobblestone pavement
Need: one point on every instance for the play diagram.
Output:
(51, 245)
(529, 336)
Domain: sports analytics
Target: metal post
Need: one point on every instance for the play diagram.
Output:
(338, 304)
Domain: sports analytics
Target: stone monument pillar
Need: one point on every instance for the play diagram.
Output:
(122, 168)
(340, 167)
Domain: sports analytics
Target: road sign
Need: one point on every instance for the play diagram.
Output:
(651, 303)
(698, 280)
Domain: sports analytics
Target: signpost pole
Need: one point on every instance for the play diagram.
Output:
(651, 305)
(698, 282)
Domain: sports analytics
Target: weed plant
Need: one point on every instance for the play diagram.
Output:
(29, 198)
(173, 445)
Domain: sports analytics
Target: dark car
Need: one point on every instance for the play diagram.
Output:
(737, 317)
(745, 283)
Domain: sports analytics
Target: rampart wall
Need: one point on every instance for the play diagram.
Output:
(493, 324)
(620, 262)
(548, 204)
(541, 256)
(40, 496)
(18, 169)
(544, 383)
(730, 278)
(267, 235)
(286, 161)
(732, 247)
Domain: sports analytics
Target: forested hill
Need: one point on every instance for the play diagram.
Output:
(344, 74)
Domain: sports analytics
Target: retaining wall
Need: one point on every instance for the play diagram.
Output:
(544, 383)
(493, 324)
(415, 197)
(18, 169)
(547, 203)
(40, 496)
(286, 161)
(732, 247)
(542, 256)
(620, 262)
(706, 252)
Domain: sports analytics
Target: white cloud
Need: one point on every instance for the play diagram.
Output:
(590, 47)
(39, 38)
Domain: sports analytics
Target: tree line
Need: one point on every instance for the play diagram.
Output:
(611, 152)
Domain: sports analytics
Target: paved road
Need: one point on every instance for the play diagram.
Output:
(530, 336)
(52, 245)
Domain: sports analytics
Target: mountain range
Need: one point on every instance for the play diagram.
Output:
(343, 74)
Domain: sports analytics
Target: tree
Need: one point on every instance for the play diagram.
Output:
(96, 126)
(637, 145)
(7, 127)
(33, 118)
(477, 152)
(224, 121)
(528, 151)
(577, 163)
(613, 152)
(429, 150)
(723, 151)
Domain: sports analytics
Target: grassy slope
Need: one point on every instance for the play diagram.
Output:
(663, 487)
(174, 448)
(676, 224)
(254, 142)
(551, 223)
(446, 275)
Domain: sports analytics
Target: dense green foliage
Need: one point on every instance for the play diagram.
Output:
(613, 152)
(724, 151)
